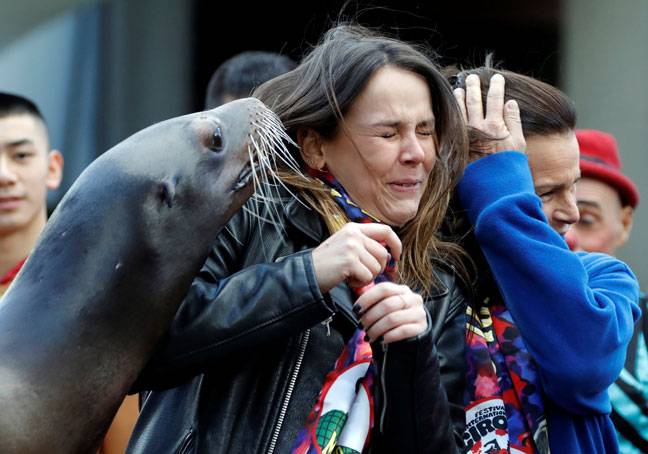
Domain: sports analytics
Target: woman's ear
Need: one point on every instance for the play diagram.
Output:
(311, 148)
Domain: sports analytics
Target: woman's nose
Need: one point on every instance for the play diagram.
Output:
(413, 151)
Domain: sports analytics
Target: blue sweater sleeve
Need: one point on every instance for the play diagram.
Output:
(575, 311)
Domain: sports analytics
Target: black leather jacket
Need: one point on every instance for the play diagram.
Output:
(251, 344)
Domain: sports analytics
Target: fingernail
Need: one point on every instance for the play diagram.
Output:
(357, 309)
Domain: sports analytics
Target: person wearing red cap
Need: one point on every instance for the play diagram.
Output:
(606, 200)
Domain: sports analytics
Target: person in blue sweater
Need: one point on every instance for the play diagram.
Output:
(607, 200)
(549, 336)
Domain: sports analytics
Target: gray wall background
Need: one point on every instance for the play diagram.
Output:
(45, 65)
(99, 70)
(605, 51)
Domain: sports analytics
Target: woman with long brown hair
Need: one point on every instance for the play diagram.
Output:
(339, 325)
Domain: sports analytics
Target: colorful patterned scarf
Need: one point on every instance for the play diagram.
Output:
(504, 410)
(343, 416)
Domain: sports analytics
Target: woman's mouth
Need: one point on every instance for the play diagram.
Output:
(405, 186)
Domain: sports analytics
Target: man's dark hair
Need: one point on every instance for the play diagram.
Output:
(11, 104)
(241, 74)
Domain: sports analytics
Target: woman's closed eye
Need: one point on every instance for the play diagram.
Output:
(387, 134)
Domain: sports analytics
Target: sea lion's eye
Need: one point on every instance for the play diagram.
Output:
(217, 140)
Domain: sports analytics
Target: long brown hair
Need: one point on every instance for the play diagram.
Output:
(317, 94)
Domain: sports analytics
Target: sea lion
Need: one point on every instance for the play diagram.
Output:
(112, 266)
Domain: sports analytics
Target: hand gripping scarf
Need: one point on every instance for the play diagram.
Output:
(342, 418)
(504, 410)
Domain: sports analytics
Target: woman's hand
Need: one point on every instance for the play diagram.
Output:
(391, 312)
(356, 253)
(502, 121)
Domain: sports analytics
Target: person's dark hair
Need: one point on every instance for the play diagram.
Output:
(238, 76)
(11, 104)
(318, 93)
(544, 109)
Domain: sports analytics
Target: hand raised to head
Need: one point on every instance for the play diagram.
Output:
(502, 120)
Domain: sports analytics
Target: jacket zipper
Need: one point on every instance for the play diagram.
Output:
(291, 387)
(384, 388)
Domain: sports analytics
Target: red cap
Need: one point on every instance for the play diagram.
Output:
(599, 159)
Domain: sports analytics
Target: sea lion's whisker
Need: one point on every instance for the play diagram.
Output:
(280, 151)
(260, 184)
(268, 149)
(270, 117)
(255, 178)
(271, 185)
(232, 233)
(281, 183)
(263, 148)
(275, 127)
(275, 177)
(278, 142)
(257, 216)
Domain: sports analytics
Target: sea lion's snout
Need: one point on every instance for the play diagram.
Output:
(256, 132)
(244, 143)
